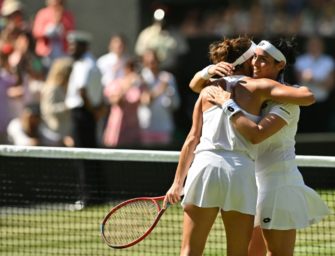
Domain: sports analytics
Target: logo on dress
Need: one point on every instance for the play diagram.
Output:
(287, 112)
(231, 109)
(266, 220)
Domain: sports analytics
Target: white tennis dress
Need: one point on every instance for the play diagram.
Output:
(284, 201)
(222, 173)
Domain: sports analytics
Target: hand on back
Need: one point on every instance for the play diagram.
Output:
(216, 95)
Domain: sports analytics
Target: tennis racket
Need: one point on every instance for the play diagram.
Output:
(131, 221)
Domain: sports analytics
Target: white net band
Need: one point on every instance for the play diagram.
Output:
(130, 155)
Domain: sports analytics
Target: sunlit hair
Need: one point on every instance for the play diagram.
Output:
(60, 71)
(228, 50)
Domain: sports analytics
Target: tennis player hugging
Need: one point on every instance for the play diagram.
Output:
(239, 157)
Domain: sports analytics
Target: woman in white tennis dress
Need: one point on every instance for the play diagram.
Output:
(221, 177)
(284, 202)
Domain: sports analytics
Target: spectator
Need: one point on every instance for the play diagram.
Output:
(315, 69)
(28, 65)
(167, 42)
(25, 130)
(124, 95)
(51, 26)
(156, 113)
(29, 71)
(55, 115)
(13, 30)
(112, 64)
(7, 80)
(84, 93)
(14, 23)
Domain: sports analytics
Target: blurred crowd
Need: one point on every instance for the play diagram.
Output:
(55, 92)
(262, 17)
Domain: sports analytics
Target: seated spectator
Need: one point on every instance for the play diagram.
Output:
(25, 130)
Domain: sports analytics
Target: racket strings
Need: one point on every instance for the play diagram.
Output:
(130, 222)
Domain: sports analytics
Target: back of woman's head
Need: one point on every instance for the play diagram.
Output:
(228, 50)
(287, 46)
(60, 71)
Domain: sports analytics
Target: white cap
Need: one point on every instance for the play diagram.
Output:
(10, 6)
(79, 36)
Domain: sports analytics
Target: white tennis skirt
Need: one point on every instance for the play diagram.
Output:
(225, 180)
(284, 201)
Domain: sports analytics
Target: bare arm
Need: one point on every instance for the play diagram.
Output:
(202, 78)
(273, 90)
(256, 133)
(198, 83)
(173, 195)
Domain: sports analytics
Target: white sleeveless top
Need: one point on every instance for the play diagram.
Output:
(219, 134)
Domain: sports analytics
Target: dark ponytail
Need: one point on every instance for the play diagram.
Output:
(288, 47)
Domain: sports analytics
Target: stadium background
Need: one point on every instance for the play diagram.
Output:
(104, 17)
(37, 179)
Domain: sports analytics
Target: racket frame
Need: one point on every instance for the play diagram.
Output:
(160, 212)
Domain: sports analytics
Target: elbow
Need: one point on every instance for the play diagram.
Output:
(197, 83)
(194, 87)
(309, 97)
(311, 100)
(191, 141)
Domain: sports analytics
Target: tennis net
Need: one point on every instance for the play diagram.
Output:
(52, 201)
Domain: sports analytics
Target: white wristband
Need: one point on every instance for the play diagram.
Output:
(230, 107)
(204, 73)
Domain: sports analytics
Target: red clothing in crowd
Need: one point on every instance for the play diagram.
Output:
(44, 18)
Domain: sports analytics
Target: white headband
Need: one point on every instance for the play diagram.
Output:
(272, 50)
(246, 55)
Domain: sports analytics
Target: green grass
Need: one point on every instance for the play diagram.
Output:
(58, 231)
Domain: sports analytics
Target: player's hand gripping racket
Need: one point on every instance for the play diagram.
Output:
(131, 221)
